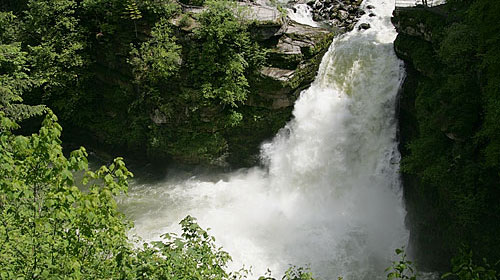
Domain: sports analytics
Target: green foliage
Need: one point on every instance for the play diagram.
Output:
(458, 47)
(79, 58)
(235, 118)
(184, 21)
(293, 273)
(55, 45)
(52, 229)
(8, 26)
(158, 58)
(193, 255)
(157, 9)
(49, 226)
(193, 2)
(225, 54)
(208, 85)
(298, 273)
(151, 89)
(402, 269)
(55, 40)
(14, 72)
(132, 11)
(464, 268)
(16, 6)
(456, 153)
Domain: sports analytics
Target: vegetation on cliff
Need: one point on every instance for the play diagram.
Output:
(150, 78)
(449, 125)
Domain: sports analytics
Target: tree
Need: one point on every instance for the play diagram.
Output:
(225, 54)
(158, 58)
(49, 226)
(14, 72)
(55, 45)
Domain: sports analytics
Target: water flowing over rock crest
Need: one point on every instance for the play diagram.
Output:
(330, 195)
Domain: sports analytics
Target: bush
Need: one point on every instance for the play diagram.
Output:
(464, 268)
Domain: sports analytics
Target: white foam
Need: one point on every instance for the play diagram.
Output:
(302, 13)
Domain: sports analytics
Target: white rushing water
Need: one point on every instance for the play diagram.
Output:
(330, 194)
(302, 13)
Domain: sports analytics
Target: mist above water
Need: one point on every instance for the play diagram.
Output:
(329, 195)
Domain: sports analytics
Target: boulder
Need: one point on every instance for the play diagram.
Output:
(364, 26)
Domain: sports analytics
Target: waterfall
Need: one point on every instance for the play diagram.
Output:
(329, 195)
(302, 13)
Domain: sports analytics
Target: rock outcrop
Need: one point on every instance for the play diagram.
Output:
(415, 44)
(295, 51)
(340, 13)
(293, 62)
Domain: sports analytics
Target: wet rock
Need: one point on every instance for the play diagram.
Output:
(342, 14)
(364, 26)
(277, 73)
(372, 15)
(369, 7)
(281, 103)
(293, 62)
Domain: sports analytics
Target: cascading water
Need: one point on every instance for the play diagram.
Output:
(302, 13)
(330, 196)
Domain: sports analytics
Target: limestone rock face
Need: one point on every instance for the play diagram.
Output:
(294, 59)
(277, 73)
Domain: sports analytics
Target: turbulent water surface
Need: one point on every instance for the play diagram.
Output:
(329, 195)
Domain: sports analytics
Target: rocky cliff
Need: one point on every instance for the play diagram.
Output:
(416, 42)
(178, 125)
(450, 186)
